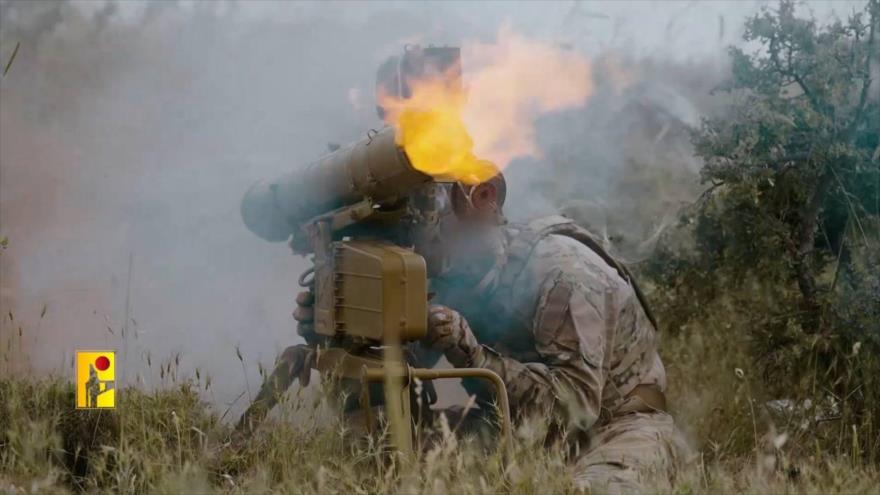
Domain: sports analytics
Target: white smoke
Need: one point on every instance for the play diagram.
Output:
(131, 130)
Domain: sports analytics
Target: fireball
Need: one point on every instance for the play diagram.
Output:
(471, 133)
(432, 132)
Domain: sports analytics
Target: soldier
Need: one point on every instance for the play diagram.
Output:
(545, 307)
(562, 323)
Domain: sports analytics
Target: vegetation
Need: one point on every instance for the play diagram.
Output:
(169, 442)
(783, 246)
(768, 291)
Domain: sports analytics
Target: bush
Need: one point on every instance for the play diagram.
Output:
(783, 247)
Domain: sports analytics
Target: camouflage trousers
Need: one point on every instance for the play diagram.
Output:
(635, 452)
(638, 452)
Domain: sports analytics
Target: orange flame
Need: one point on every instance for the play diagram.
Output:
(470, 135)
(431, 130)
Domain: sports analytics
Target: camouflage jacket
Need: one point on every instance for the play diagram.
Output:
(563, 328)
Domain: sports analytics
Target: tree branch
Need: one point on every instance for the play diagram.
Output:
(789, 72)
(866, 75)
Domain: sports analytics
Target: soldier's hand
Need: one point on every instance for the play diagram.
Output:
(305, 314)
(449, 333)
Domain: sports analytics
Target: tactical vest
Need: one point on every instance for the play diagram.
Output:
(523, 244)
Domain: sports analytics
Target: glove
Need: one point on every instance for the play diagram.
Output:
(305, 315)
(449, 333)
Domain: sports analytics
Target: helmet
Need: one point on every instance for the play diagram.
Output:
(395, 74)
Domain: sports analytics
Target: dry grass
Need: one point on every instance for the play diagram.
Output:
(170, 441)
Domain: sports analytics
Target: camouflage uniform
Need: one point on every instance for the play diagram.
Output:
(568, 334)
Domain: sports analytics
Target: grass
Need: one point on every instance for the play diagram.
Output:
(750, 433)
(170, 441)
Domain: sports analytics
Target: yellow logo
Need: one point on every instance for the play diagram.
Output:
(95, 379)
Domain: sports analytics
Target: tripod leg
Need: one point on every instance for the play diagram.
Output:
(295, 362)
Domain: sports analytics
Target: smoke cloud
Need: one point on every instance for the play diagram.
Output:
(513, 82)
(130, 131)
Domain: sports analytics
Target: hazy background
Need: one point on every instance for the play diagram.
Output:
(131, 131)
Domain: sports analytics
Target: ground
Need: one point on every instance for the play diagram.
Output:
(170, 441)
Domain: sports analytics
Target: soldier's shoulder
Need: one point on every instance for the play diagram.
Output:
(539, 252)
(556, 255)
